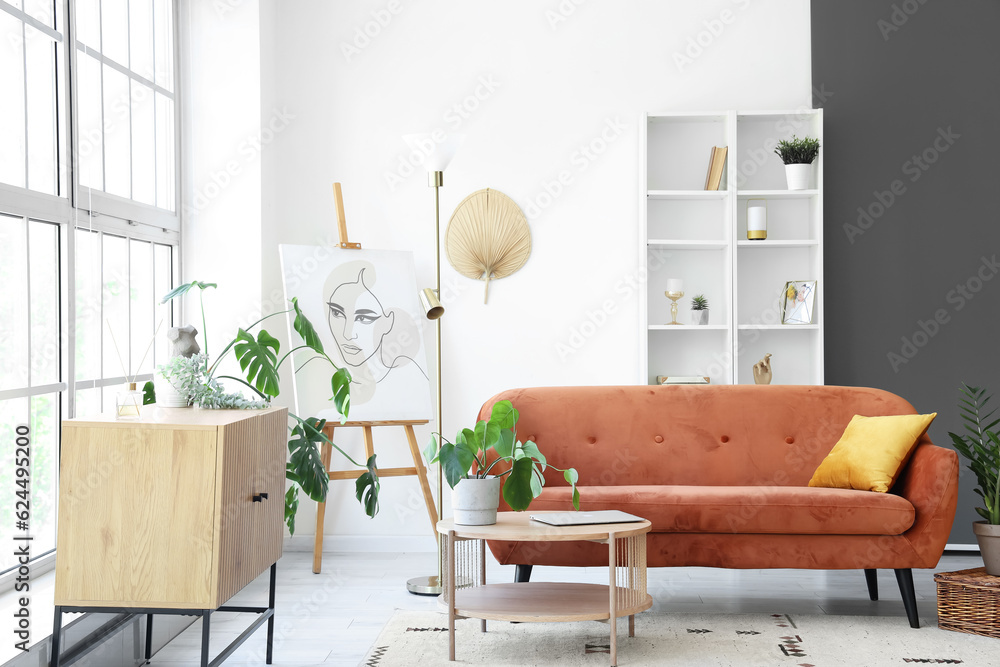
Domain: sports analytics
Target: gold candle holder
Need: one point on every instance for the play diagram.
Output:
(673, 296)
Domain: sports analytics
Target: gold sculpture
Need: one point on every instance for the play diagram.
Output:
(762, 370)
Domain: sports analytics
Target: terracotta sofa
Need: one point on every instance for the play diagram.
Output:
(723, 471)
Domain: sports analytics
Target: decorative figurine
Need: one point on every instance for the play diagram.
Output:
(762, 370)
(183, 341)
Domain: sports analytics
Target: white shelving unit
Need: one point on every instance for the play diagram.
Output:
(700, 237)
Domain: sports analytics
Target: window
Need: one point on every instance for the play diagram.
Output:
(125, 83)
(88, 220)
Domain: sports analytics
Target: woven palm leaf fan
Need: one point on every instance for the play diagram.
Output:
(487, 237)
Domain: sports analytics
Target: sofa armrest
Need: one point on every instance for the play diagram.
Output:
(930, 483)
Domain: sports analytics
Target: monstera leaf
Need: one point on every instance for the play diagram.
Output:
(517, 486)
(305, 467)
(341, 383)
(367, 488)
(305, 329)
(291, 507)
(258, 358)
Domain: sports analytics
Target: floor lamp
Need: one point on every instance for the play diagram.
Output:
(439, 151)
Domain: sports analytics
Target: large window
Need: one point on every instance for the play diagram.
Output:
(89, 228)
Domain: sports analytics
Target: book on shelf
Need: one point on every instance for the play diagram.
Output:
(716, 165)
(683, 379)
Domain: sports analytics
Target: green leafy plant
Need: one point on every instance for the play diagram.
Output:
(699, 303)
(258, 357)
(981, 446)
(525, 463)
(797, 151)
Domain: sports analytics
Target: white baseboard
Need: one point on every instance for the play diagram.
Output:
(961, 547)
(364, 543)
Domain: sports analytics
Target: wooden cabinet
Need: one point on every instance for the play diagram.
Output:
(181, 509)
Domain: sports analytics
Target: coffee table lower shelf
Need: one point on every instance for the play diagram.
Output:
(543, 602)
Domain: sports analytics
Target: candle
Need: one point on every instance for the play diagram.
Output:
(757, 220)
(675, 285)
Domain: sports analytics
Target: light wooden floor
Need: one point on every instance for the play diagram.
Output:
(333, 618)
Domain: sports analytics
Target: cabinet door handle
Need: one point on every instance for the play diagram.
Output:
(259, 496)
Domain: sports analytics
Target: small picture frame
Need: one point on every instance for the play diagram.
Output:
(798, 302)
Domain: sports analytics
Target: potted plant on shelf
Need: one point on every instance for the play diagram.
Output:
(798, 156)
(196, 380)
(699, 310)
(476, 495)
(981, 446)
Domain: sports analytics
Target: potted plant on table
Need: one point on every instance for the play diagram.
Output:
(476, 495)
(699, 310)
(798, 156)
(981, 446)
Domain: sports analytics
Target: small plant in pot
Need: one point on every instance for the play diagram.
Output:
(476, 495)
(798, 156)
(699, 310)
(981, 446)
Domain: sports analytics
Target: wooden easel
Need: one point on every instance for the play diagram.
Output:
(418, 470)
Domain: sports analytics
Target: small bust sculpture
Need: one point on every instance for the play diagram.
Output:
(183, 341)
(762, 370)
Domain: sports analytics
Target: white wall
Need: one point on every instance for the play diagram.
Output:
(540, 82)
(221, 107)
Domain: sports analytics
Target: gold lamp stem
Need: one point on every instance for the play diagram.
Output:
(436, 180)
(432, 585)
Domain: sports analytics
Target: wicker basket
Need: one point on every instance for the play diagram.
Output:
(969, 601)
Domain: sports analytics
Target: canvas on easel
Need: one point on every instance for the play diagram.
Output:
(365, 308)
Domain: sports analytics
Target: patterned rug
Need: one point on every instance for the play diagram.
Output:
(688, 640)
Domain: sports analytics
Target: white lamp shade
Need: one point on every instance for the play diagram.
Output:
(438, 147)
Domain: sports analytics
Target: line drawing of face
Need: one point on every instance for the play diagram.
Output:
(357, 321)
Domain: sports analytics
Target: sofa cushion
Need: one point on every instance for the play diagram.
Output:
(745, 509)
(872, 451)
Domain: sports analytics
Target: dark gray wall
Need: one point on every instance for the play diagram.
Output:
(902, 81)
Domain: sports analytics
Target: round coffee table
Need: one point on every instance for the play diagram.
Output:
(533, 602)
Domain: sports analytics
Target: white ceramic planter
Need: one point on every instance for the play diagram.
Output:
(799, 176)
(166, 395)
(475, 501)
(988, 537)
(699, 316)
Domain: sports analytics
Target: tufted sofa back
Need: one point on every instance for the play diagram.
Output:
(722, 435)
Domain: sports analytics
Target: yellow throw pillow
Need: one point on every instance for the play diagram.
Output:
(872, 451)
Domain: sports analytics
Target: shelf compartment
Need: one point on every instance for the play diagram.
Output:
(679, 148)
(787, 218)
(757, 135)
(703, 272)
(694, 219)
(796, 357)
(707, 354)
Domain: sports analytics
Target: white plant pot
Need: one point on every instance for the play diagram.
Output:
(166, 395)
(988, 537)
(799, 176)
(699, 316)
(475, 501)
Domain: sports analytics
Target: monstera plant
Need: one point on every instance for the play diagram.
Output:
(258, 358)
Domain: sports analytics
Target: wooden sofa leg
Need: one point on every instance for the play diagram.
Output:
(871, 578)
(522, 574)
(905, 580)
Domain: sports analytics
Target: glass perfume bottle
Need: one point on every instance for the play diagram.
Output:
(128, 403)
